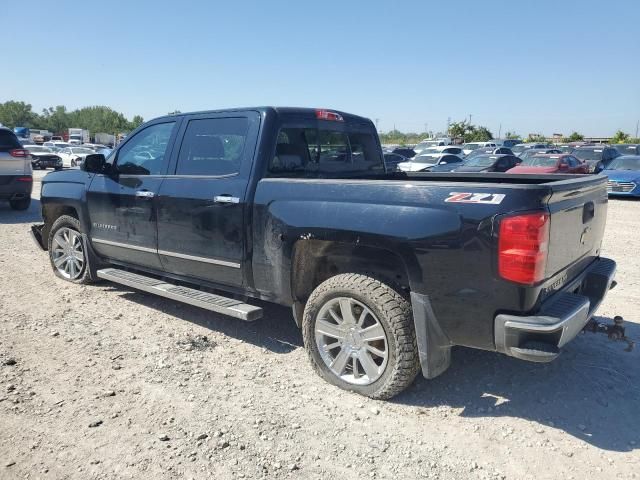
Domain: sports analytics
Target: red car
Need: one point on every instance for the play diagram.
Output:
(551, 163)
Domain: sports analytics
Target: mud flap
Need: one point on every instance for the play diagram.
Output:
(36, 235)
(434, 348)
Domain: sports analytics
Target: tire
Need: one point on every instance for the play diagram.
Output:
(389, 316)
(66, 229)
(20, 204)
(73, 163)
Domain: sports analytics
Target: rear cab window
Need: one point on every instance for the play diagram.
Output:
(326, 149)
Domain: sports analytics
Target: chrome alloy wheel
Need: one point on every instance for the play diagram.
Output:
(68, 253)
(351, 341)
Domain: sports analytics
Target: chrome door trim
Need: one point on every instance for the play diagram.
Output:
(124, 245)
(213, 261)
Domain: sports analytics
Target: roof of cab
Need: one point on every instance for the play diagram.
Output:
(279, 111)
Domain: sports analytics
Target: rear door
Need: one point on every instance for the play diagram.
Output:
(202, 205)
(122, 204)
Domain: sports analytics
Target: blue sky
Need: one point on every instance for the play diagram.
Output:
(532, 66)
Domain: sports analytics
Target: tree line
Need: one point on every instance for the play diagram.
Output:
(96, 119)
(465, 131)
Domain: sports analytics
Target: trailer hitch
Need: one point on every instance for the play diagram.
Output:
(615, 332)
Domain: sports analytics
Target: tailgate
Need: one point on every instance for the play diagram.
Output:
(578, 211)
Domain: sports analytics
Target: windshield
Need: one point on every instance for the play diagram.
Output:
(625, 163)
(540, 162)
(588, 154)
(81, 150)
(61, 145)
(427, 144)
(480, 161)
(470, 146)
(430, 151)
(626, 149)
(35, 148)
(516, 149)
(429, 159)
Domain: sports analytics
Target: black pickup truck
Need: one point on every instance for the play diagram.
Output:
(384, 272)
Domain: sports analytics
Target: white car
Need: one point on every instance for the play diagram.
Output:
(74, 156)
(424, 162)
(441, 150)
(467, 148)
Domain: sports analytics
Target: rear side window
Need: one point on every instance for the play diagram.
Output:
(318, 153)
(213, 147)
(8, 141)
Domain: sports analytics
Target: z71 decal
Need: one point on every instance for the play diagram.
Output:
(486, 198)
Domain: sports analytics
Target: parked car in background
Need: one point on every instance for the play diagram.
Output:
(437, 151)
(471, 146)
(489, 163)
(530, 152)
(551, 163)
(57, 138)
(447, 163)
(74, 156)
(509, 142)
(624, 176)
(43, 157)
(490, 151)
(521, 147)
(405, 152)
(627, 148)
(16, 175)
(565, 148)
(391, 161)
(424, 162)
(596, 156)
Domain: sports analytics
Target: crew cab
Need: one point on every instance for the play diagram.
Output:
(384, 272)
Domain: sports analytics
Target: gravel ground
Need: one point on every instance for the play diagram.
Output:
(104, 382)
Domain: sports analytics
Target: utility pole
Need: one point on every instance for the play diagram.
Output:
(500, 131)
(377, 121)
(637, 125)
(470, 118)
(426, 127)
(448, 124)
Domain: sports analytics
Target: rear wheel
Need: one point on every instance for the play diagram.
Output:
(20, 204)
(67, 251)
(359, 335)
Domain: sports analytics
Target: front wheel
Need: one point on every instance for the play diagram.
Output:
(67, 251)
(359, 335)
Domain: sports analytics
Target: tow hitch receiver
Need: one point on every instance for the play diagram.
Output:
(615, 332)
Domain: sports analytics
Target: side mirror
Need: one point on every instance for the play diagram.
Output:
(94, 163)
(599, 167)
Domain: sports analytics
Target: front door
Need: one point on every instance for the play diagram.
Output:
(201, 208)
(122, 202)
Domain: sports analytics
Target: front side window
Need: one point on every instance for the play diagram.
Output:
(213, 147)
(311, 152)
(144, 153)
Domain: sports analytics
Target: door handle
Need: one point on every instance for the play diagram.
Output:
(225, 199)
(145, 194)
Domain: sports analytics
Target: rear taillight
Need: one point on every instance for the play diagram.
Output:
(327, 115)
(24, 179)
(523, 244)
(19, 153)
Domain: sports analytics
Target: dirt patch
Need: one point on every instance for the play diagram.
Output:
(104, 382)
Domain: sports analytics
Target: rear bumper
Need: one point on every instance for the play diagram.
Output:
(11, 188)
(539, 338)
